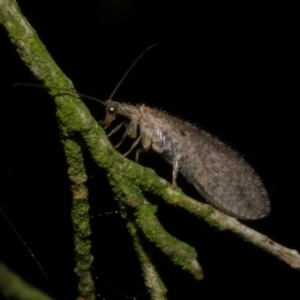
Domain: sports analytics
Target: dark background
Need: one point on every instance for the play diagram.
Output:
(233, 70)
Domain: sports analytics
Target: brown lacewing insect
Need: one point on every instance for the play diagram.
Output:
(220, 175)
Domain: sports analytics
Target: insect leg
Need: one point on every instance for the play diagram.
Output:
(176, 159)
(115, 129)
(146, 143)
(137, 153)
(133, 146)
(130, 130)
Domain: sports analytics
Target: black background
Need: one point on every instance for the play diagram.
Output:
(231, 69)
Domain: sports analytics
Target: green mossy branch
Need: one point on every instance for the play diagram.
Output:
(153, 282)
(80, 218)
(179, 252)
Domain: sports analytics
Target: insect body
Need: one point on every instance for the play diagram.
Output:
(218, 173)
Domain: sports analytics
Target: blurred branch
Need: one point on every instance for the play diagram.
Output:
(14, 287)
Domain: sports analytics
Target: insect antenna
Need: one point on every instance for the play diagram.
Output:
(63, 91)
(87, 96)
(129, 69)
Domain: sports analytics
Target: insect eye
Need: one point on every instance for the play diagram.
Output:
(111, 109)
